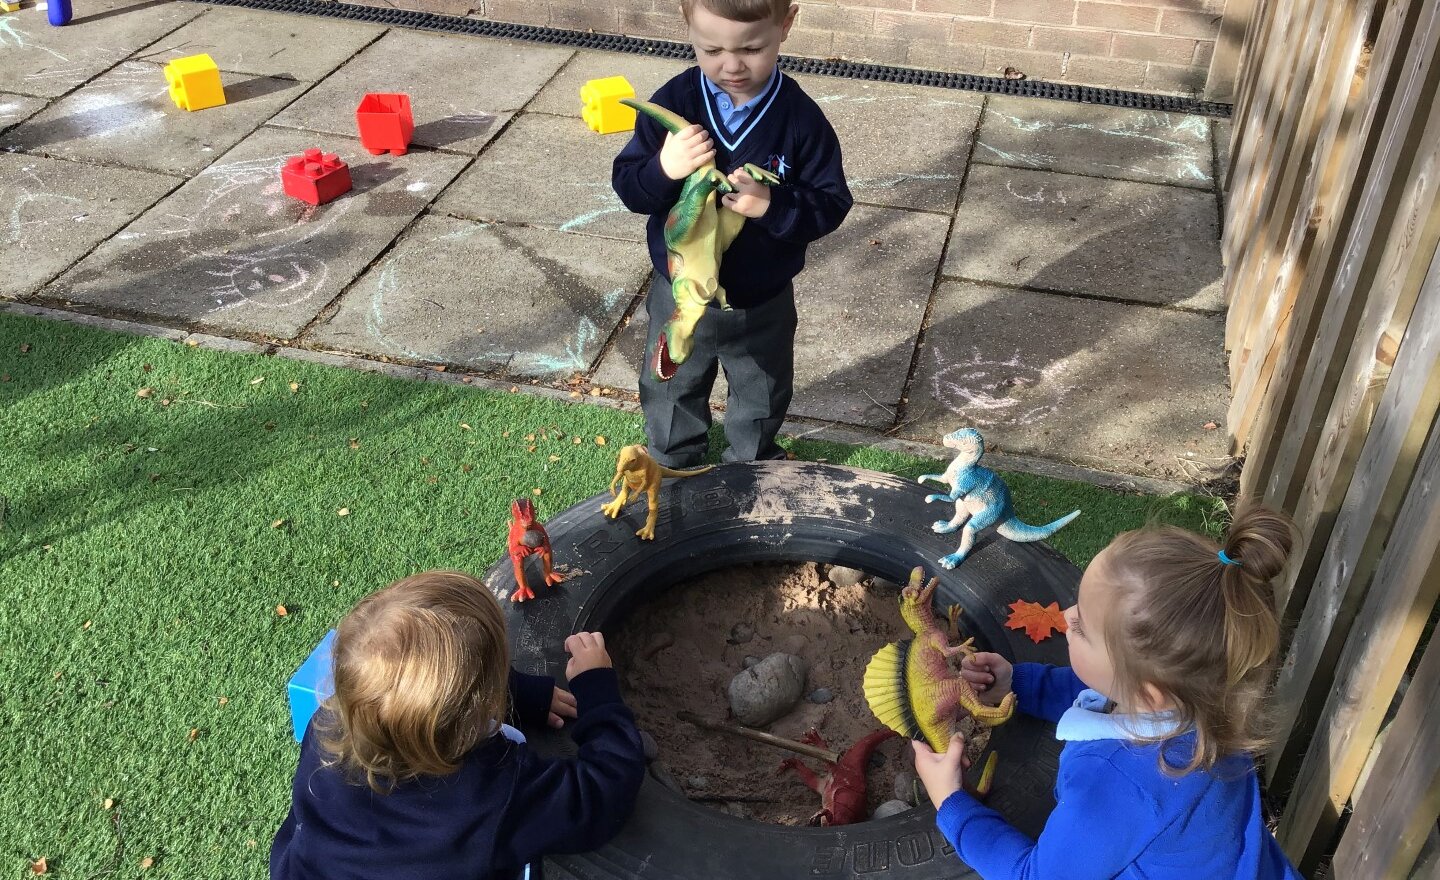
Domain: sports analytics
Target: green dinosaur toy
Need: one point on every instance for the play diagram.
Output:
(697, 232)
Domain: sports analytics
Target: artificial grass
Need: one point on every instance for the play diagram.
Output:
(146, 542)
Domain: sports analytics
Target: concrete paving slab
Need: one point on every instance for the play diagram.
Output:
(523, 301)
(47, 61)
(230, 252)
(262, 43)
(15, 109)
(561, 97)
(1100, 384)
(548, 171)
(861, 301)
(462, 89)
(1134, 241)
(1100, 141)
(904, 146)
(126, 117)
(57, 211)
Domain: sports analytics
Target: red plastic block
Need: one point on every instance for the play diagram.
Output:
(385, 123)
(315, 177)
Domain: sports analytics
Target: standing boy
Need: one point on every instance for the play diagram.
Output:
(747, 112)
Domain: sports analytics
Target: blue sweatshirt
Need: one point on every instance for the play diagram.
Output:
(787, 134)
(1116, 814)
(504, 808)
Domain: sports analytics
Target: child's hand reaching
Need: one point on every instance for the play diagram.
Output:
(562, 706)
(750, 198)
(940, 773)
(989, 674)
(587, 652)
(686, 150)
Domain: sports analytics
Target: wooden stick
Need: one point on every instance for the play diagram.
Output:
(768, 739)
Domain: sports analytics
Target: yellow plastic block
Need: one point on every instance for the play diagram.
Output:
(194, 82)
(603, 111)
(9, 5)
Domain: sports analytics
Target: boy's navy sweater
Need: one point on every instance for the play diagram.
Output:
(1117, 814)
(786, 134)
(504, 808)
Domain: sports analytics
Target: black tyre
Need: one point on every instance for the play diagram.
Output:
(774, 512)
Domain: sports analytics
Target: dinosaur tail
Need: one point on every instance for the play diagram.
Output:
(670, 121)
(1016, 530)
(671, 472)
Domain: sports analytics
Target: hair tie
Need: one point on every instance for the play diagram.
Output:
(1227, 560)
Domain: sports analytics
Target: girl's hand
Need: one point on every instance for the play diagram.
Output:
(750, 199)
(940, 773)
(562, 706)
(989, 674)
(587, 652)
(686, 150)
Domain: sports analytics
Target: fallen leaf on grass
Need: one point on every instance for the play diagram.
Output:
(144, 392)
(4, 377)
(148, 861)
(86, 624)
(577, 441)
(596, 392)
(535, 491)
(224, 700)
(465, 427)
(514, 389)
(24, 348)
(39, 866)
(354, 442)
(600, 441)
(257, 380)
(554, 458)
(193, 343)
(294, 387)
(1038, 621)
(281, 610)
(344, 511)
(467, 468)
(277, 524)
(194, 734)
(109, 803)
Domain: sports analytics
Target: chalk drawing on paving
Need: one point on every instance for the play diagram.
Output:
(988, 392)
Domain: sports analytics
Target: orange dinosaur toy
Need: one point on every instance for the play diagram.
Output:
(528, 537)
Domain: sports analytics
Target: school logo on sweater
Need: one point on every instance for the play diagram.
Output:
(777, 165)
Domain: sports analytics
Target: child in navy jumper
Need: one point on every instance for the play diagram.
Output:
(1172, 643)
(744, 111)
(407, 772)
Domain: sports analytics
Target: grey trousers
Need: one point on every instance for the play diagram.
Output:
(756, 349)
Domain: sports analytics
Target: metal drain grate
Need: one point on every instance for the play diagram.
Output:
(994, 85)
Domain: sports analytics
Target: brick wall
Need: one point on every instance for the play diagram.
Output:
(1147, 45)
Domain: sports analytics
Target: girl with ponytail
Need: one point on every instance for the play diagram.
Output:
(1172, 649)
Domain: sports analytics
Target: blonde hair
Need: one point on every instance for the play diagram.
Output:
(421, 676)
(741, 10)
(1201, 631)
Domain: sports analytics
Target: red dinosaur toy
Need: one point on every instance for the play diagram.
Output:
(842, 787)
(527, 537)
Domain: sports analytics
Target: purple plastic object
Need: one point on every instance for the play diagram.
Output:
(58, 11)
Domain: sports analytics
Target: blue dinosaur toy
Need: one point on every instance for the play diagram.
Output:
(980, 497)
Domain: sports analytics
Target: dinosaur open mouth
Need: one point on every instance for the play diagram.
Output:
(663, 367)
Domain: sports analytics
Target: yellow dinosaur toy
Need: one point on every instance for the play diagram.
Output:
(636, 472)
(911, 686)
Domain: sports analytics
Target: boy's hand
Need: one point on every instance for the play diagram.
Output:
(940, 774)
(562, 706)
(587, 652)
(750, 199)
(989, 674)
(685, 151)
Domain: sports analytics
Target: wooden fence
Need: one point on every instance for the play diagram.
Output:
(1332, 216)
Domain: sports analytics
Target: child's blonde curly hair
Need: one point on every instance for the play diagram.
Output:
(421, 675)
(1202, 632)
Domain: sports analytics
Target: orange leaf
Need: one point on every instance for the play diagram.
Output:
(39, 866)
(1038, 621)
